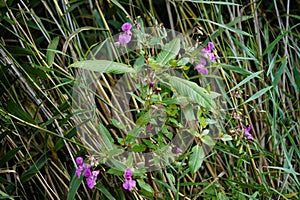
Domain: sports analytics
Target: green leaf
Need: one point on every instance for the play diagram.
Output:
(146, 188)
(211, 2)
(196, 158)
(226, 137)
(235, 69)
(206, 139)
(9, 155)
(258, 94)
(103, 66)
(169, 52)
(144, 119)
(108, 195)
(191, 90)
(138, 148)
(18, 111)
(74, 185)
(253, 75)
(50, 54)
(34, 169)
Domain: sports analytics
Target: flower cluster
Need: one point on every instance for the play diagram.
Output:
(125, 37)
(91, 176)
(207, 54)
(129, 184)
(247, 133)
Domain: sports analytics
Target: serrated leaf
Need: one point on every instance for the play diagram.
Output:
(196, 158)
(103, 66)
(169, 52)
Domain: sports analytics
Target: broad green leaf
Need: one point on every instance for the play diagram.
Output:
(146, 188)
(138, 148)
(191, 90)
(106, 137)
(144, 119)
(196, 158)
(50, 54)
(206, 139)
(74, 185)
(226, 137)
(103, 66)
(169, 52)
(258, 94)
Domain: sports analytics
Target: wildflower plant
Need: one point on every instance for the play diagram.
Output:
(166, 99)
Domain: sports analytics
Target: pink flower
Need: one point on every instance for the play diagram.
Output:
(247, 134)
(126, 27)
(117, 44)
(178, 150)
(124, 38)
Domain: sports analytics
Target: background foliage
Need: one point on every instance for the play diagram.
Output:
(258, 41)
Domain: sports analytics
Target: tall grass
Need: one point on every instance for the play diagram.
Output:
(258, 43)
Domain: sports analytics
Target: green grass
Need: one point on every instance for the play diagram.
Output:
(258, 43)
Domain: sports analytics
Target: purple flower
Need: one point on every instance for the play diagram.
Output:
(91, 182)
(151, 84)
(124, 38)
(92, 178)
(207, 52)
(247, 134)
(79, 161)
(138, 25)
(78, 171)
(128, 173)
(201, 67)
(129, 184)
(87, 172)
(178, 150)
(126, 27)
(117, 44)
